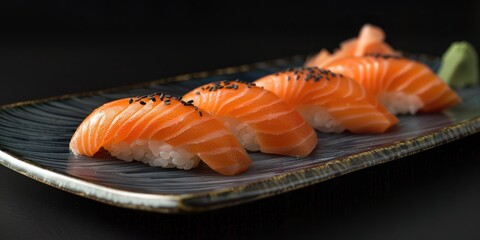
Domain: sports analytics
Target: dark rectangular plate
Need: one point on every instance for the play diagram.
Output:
(34, 139)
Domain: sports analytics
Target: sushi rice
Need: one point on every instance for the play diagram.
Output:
(154, 153)
(244, 134)
(320, 119)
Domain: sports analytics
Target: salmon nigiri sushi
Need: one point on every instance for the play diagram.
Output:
(261, 120)
(160, 131)
(371, 39)
(329, 102)
(401, 84)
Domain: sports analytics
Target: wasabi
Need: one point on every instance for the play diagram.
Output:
(460, 65)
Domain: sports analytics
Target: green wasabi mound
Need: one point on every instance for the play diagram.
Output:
(459, 67)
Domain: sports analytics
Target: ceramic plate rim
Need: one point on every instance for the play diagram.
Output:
(226, 196)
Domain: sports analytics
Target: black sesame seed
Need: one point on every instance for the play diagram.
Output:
(198, 93)
(130, 101)
(143, 103)
(384, 56)
(200, 113)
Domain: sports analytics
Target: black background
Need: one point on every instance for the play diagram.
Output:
(57, 47)
(50, 48)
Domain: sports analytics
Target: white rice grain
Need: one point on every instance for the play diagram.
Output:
(400, 103)
(320, 119)
(154, 153)
(244, 134)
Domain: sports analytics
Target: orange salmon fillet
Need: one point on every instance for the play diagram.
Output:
(371, 39)
(278, 128)
(162, 118)
(382, 75)
(343, 98)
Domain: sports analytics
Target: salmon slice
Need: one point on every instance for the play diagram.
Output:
(261, 120)
(161, 131)
(371, 39)
(329, 102)
(402, 85)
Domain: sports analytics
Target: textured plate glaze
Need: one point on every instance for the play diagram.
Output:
(34, 139)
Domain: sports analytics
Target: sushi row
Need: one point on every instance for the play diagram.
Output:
(354, 91)
(401, 85)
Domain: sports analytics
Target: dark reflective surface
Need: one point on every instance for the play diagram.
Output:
(57, 48)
